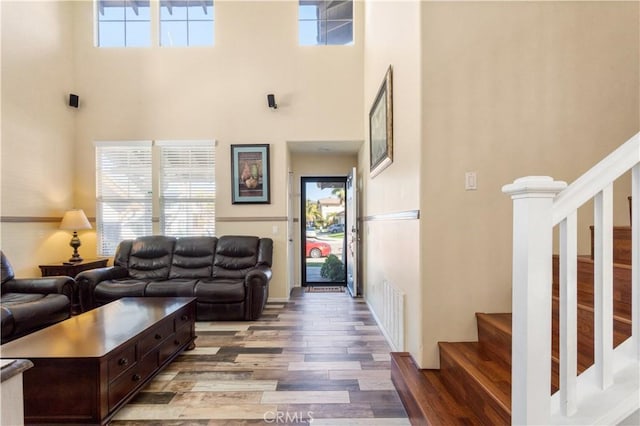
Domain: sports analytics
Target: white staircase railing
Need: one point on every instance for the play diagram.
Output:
(607, 392)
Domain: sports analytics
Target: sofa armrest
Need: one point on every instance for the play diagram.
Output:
(256, 282)
(46, 285)
(260, 275)
(88, 280)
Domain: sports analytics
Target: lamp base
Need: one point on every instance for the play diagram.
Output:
(75, 243)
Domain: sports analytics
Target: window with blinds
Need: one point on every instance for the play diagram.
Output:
(138, 181)
(123, 193)
(187, 188)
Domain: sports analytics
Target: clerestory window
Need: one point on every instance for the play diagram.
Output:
(123, 23)
(180, 23)
(186, 23)
(324, 22)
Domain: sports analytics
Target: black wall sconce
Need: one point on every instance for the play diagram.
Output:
(271, 101)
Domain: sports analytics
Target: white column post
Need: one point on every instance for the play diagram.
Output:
(531, 300)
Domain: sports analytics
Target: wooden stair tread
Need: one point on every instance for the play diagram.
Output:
(431, 403)
(499, 321)
(493, 375)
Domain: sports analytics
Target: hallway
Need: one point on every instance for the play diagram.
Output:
(318, 357)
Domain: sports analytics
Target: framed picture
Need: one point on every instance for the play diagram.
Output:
(250, 174)
(381, 127)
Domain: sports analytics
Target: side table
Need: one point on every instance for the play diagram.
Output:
(71, 270)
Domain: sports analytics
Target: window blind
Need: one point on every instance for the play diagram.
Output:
(187, 188)
(123, 193)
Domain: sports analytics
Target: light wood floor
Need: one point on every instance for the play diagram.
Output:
(319, 358)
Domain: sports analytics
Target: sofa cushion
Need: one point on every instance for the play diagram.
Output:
(5, 268)
(177, 287)
(123, 251)
(193, 257)
(33, 311)
(235, 256)
(109, 290)
(220, 290)
(151, 257)
(8, 323)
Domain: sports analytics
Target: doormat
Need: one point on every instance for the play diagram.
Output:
(325, 289)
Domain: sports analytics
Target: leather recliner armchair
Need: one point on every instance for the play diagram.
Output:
(29, 304)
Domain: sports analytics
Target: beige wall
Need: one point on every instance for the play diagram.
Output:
(220, 93)
(509, 90)
(502, 89)
(162, 93)
(37, 177)
(313, 165)
(391, 248)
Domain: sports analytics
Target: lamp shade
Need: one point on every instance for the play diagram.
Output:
(75, 219)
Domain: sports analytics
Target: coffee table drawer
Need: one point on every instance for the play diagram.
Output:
(185, 316)
(121, 361)
(129, 381)
(155, 336)
(172, 344)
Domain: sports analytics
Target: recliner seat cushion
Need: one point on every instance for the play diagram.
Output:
(107, 291)
(220, 291)
(171, 288)
(33, 311)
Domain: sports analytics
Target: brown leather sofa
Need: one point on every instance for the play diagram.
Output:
(229, 275)
(29, 304)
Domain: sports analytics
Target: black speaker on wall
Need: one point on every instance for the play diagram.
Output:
(74, 100)
(271, 100)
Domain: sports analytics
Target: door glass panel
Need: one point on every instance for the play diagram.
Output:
(324, 231)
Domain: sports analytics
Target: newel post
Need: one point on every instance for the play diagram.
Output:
(531, 298)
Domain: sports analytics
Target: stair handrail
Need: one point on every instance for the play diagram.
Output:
(597, 178)
(539, 204)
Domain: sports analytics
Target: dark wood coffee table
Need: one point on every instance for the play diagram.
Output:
(87, 367)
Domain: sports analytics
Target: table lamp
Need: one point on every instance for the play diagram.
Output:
(72, 221)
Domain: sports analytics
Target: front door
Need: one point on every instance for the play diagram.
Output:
(352, 233)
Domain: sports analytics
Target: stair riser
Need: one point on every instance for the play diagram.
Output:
(621, 244)
(493, 338)
(621, 286)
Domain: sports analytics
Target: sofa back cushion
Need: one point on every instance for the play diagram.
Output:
(193, 257)
(5, 268)
(123, 252)
(150, 257)
(235, 255)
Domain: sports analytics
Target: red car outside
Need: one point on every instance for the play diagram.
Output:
(315, 248)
